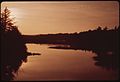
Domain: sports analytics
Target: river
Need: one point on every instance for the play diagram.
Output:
(61, 64)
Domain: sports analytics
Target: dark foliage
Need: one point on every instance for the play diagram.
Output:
(97, 39)
(13, 49)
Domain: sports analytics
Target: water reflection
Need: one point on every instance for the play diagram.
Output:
(10, 64)
(106, 58)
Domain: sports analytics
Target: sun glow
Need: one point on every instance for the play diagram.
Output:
(15, 13)
(53, 17)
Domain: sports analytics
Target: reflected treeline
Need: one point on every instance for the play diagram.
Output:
(13, 48)
(108, 60)
(103, 58)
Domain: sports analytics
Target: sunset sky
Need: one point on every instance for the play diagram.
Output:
(63, 16)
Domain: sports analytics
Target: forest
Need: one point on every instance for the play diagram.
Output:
(100, 39)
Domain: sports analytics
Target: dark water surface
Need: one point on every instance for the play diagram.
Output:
(62, 64)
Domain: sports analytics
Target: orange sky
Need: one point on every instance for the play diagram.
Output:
(61, 17)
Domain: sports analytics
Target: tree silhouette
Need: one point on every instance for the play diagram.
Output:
(105, 28)
(13, 48)
(6, 22)
(8, 27)
(99, 28)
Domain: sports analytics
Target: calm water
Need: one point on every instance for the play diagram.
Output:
(60, 64)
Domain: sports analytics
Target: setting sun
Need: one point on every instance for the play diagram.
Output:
(15, 12)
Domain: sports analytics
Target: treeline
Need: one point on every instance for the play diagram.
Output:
(92, 39)
(13, 49)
